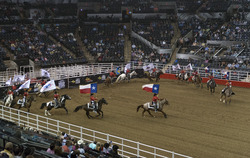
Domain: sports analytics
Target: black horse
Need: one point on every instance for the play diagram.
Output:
(87, 109)
(50, 105)
(211, 85)
(157, 77)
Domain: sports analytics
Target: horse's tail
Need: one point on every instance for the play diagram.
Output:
(78, 108)
(43, 105)
(140, 106)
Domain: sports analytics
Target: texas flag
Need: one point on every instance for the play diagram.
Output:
(154, 88)
(89, 88)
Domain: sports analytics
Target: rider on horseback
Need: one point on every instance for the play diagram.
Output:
(8, 95)
(182, 74)
(93, 101)
(228, 84)
(195, 75)
(111, 75)
(56, 99)
(25, 95)
(210, 78)
(154, 101)
(43, 82)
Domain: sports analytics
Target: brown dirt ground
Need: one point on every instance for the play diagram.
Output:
(198, 124)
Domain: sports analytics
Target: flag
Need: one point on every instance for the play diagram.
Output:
(154, 88)
(8, 83)
(148, 67)
(18, 78)
(189, 67)
(174, 68)
(45, 73)
(25, 85)
(127, 67)
(178, 66)
(48, 86)
(226, 75)
(207, 69)
(89, 88)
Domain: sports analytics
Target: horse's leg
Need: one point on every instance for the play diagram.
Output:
(87, 113)
(49, 112)
(45, 113)
(65, 109)
(98, 112)
(143, 113)
(165, 115)
(150, 113)
(102, 113)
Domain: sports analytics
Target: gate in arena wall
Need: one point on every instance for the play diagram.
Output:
(127, 148)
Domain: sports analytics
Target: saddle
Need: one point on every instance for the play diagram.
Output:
(151, 106)
(90, 106)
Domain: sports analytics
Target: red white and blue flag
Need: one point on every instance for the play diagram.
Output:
(89, 88)
(154, 88)
(48, 86)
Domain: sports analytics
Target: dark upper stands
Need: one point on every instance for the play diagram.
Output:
(2, 57)
(216, 6)
(104, 41)
(188, 6)
(159, 32)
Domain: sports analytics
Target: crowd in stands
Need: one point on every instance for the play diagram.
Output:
(28, 41)
(158, 32)
(104, 41)
(2, 57)
(142, 52)
(67, 9)
(65, 35)
(27, 142)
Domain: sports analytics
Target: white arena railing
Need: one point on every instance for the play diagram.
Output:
(63, 72)
(128, 148)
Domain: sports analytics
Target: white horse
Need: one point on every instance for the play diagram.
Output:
(38, 86)
(123, 77)
(8, 100)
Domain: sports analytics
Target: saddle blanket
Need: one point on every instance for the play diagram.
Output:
(91, 107)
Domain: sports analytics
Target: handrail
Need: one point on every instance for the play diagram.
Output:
(33, 120)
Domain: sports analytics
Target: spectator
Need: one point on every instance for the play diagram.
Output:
(28, 151)
(93, 145)
(51, 149)
(65, 148)
(8, 149)
(114, 152)
(18, 150)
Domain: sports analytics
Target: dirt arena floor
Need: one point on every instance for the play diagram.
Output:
(198, 124)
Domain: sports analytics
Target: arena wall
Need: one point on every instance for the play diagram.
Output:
(204, 80)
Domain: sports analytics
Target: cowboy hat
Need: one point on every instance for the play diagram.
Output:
(79, 142)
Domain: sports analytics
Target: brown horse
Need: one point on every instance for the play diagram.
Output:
(27, 104)
(157, 77)
(108, 81)
(146, 107)
(88, 109)
(197, 80)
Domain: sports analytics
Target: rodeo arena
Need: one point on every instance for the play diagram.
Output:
(125, 78)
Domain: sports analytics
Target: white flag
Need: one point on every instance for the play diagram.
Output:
(128, 66)
(149, 67)
(178, 66)
(174, 68)
(189, 67)
(8, 83)
(45, 73)
(18, 78)
(48, 86)
(25, 85)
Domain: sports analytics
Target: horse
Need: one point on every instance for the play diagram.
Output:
(38, 86)
(130, 75)
(108, 81)
(27, 104)
(87, 109)
(211, 85)
(197, 80)
(157, 77)
(8, 100)
(122, 77)
(226, 93)
(182, 77)
(50, 105)
(146, 107)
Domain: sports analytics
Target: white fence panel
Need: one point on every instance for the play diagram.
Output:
(128, 148)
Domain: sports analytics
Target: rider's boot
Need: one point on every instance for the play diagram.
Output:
(94, 109)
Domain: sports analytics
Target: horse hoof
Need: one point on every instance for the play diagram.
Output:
(220, 99)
